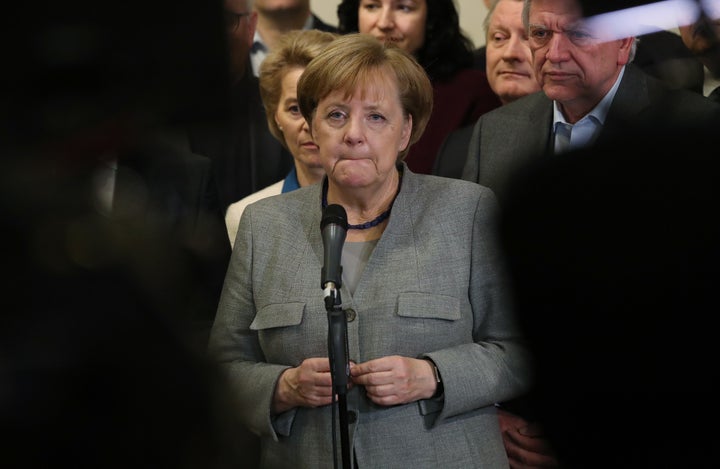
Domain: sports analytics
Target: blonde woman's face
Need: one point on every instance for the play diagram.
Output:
(292, 124)
(399, 21)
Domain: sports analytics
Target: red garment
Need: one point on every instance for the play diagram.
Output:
(458, 102)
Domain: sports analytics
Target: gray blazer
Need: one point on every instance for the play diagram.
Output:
(433, 287)
(508, 138)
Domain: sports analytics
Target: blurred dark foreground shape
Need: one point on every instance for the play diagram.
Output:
(615, 256)
(99, 351)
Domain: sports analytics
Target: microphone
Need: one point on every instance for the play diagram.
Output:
(334, 229)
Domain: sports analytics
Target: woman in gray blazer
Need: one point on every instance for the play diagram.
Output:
(432, 341)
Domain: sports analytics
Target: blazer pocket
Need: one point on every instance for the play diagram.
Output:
(278, 315)
(424, 305)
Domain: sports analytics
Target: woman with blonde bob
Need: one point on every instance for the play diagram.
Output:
(431, 337)
(279, 74)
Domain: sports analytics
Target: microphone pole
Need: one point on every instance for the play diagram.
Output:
(334, 229)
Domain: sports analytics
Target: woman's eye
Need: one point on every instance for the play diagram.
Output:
(370, 6)
(376, 118)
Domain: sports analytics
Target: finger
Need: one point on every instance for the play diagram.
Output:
(531, 430)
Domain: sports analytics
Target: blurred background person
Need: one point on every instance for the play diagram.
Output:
(430, 31)
(156, 185)
(430, 358)
(663, 55)
(279, 75)
(245, 156)
(276, 18)
(702, 38)
(94, 332)
(115, 127)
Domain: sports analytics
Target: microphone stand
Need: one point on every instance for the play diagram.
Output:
(339, 365)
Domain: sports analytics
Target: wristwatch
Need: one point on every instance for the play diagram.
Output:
(439, 389)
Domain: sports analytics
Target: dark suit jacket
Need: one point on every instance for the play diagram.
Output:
(322, 26)
(246, 156)
(509, 137)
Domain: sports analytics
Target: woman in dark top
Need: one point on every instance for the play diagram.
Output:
(430, 31)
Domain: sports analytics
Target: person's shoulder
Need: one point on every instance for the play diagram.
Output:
(663, 55)
(538, 98)
(524, 108)
(285, 202)
(450, 198)
(673, 104)
(458, 139)
(435, 187)
(263, 193)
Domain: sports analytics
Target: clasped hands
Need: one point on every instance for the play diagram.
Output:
(387, 381)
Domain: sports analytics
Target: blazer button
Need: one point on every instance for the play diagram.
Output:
(352, 416)
(350, 315)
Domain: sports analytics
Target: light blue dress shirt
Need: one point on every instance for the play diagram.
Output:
(583, 132)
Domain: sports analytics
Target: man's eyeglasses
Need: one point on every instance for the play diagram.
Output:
(232, 19)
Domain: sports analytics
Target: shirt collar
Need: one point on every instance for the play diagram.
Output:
(291, 181)
(259, 49)
(258, 44)
(599, 112)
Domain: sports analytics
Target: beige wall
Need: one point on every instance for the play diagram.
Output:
(472, 13)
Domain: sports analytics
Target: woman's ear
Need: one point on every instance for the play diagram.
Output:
(406, 133)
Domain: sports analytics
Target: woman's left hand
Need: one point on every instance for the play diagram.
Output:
(395, 380)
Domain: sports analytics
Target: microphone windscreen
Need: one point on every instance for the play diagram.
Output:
(334, 214)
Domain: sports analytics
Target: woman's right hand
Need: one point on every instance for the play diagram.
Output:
(308, 385)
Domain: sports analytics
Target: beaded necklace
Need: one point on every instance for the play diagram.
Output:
(368, 224)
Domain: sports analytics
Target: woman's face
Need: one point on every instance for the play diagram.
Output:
(360, 136)
(293, 125)
(399, 21)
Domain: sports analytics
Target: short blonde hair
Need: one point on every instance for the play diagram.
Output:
(295, 49)
(357, 59)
